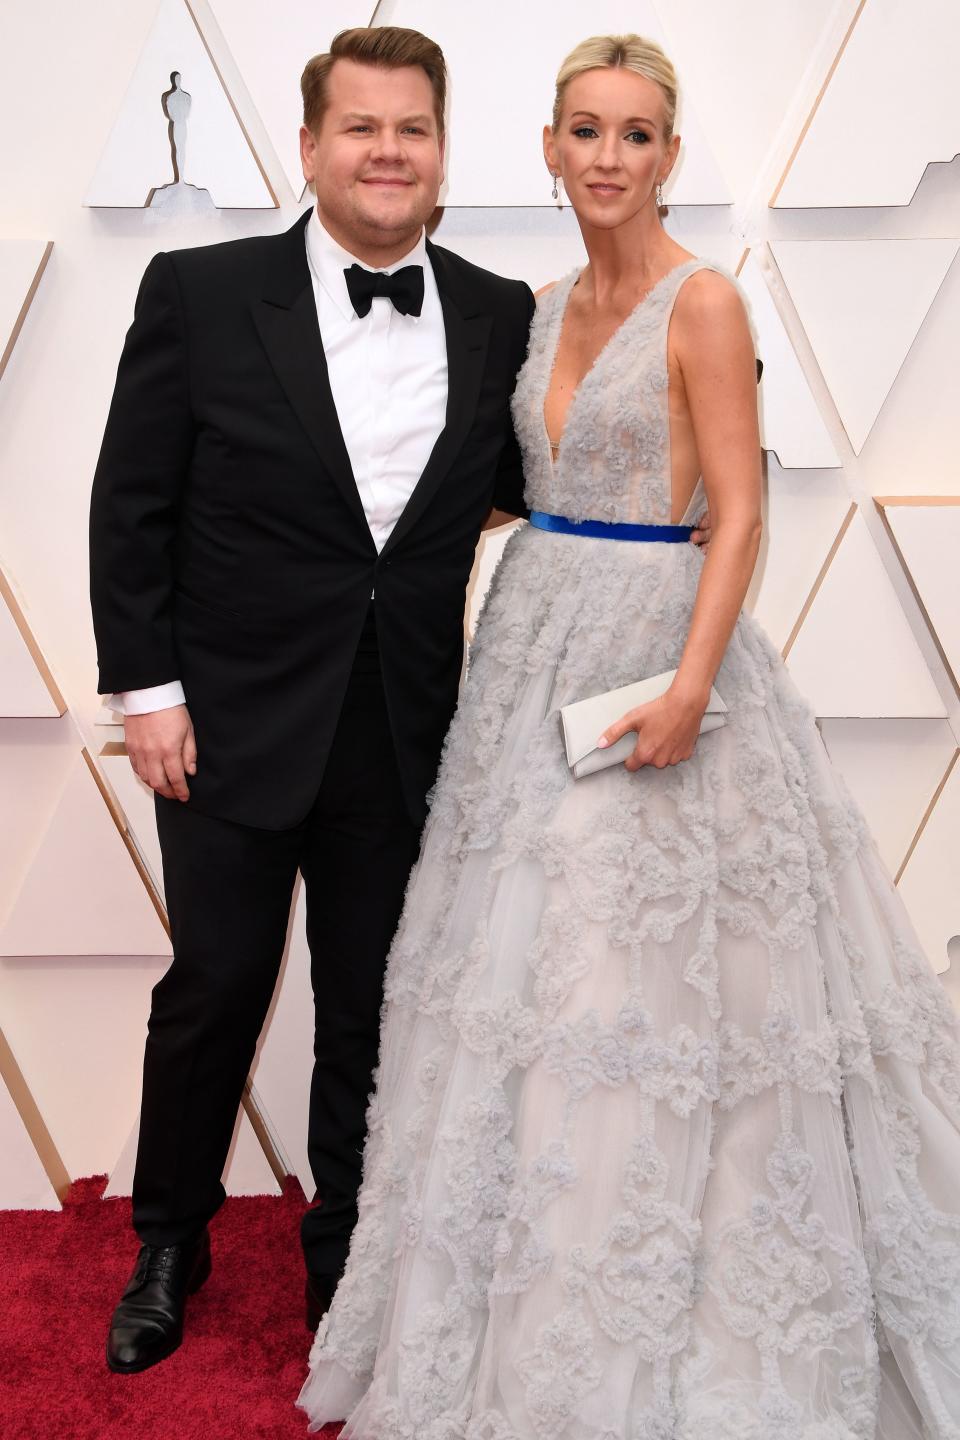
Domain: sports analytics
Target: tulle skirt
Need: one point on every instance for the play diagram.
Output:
(665, 1143)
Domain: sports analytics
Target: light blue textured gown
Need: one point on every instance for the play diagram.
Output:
(666, 1140)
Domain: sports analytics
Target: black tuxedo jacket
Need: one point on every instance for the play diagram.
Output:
(229, 547)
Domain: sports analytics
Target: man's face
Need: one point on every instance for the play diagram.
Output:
(376, 161)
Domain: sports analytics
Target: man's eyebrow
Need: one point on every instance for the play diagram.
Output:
(376, 119)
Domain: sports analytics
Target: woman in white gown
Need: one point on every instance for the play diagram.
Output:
(666, 1139)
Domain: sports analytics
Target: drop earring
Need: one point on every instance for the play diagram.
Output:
(659, 194)
(555, 192)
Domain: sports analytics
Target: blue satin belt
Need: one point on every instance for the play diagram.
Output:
(602, 530)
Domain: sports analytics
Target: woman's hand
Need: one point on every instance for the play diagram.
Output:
(702, 532)
(667, 729)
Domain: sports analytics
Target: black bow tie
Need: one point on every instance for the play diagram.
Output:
(404, 287)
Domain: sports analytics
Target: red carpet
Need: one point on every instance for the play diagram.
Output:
(244, 1355)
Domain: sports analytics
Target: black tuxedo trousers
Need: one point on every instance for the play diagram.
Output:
(228, 890)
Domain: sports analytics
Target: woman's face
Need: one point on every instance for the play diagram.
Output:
(609, 146)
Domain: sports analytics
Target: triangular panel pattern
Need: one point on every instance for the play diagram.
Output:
(893, 769)
(745, 76)
(855, 654)
(929, 882)
(928, 538)
(22, 263)
(862, 303)
(24, 1183)
(271, 44)
(790, 423)
(27, 687)
(216, 155)
(513, 54)
(804, 512)
(246, 1173)
(82, 894)
(35, 763)
(139, 808)
(839, 161)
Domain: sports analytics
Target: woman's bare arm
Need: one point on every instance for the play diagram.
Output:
(715, 351)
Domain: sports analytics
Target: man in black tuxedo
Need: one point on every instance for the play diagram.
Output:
(307, 435)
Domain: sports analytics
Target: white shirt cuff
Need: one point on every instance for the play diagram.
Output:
(143, 702)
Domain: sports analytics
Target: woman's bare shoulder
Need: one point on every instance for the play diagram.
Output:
(709, 295)
(545, 289)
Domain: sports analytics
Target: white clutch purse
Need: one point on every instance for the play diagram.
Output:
(585, 721)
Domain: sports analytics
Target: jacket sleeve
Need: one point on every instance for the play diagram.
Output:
(508, 486)
(137, 491)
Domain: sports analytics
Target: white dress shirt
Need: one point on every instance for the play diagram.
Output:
(388, 375)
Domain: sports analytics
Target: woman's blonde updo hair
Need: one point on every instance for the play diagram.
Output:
(631, 52)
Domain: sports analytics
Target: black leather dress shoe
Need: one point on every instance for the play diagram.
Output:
(147, 1325)
(320, 1292)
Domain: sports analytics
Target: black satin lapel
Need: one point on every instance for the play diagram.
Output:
(291, 338)
(467, 342)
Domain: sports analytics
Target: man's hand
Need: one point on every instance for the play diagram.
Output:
(162, 750)
(701, 533)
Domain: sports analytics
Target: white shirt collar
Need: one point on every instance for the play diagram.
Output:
(328, 261)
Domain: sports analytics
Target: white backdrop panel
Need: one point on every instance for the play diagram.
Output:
(913, 446)
(22, 263)
(855, 654)
(803, 512)
(24, 1184)
(35, 762)
(82, 894)
(896, 51)
(23, 691)
(747, 64)
(790, 423)
(893, 768)
(77, 1029)
(271, 44)
(137, 156)
(502, 73)
(862, 303)
(928, 537)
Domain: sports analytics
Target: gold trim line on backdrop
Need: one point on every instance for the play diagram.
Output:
(845, 526)
(926, 816)
(882, 503)
(817, 102)
(49, 1156)
(36, 654)
(27, 302)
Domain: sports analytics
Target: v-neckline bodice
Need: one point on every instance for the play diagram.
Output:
(561, 304)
